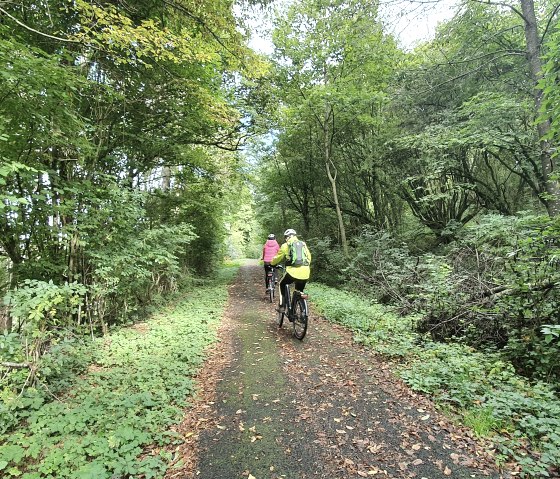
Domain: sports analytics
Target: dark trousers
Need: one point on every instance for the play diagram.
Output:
(267, 267)
(299, 284)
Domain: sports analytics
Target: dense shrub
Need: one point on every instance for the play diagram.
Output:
(500, 288)
(329, 265)
(382, 266)
(495, 286)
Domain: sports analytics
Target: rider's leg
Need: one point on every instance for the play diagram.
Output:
(284, 291)
(299, 284)
(267, 268)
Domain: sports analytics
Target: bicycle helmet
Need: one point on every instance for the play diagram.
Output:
(289, 232)
(271, 236)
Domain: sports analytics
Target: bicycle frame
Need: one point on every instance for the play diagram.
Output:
(297, 312)
(271, 283)
(271, 276)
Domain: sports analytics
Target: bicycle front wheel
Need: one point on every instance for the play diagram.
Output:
(300, 318)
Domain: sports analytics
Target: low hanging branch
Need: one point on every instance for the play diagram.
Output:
(27, 27)
(9, 365)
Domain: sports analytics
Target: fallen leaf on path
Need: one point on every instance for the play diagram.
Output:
(447, 471)
(374, 448)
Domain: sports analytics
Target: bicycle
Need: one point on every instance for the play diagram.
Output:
(271, 281)
(297, 313)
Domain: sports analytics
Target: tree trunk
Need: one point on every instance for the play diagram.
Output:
(166, 178)
(332, 179)
(548, 163)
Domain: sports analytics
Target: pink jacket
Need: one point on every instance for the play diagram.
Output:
(269, 251)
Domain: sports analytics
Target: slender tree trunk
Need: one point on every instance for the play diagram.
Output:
(332, 179)
(166, 178)
(548, 163)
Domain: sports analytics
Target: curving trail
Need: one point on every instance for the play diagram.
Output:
(273, 407)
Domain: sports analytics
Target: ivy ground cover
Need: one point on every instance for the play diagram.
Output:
(115, 420)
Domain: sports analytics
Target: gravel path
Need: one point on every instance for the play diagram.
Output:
(272, 407)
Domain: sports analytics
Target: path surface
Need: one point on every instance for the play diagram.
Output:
(274, 407)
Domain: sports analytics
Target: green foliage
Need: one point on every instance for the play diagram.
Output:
(549, 87)
(135, 388)
(481, 420)
(332, 85)
(382, 266)
(38, 305)
(495, 285)
(104, 109)
(329, 263)
(373, 324)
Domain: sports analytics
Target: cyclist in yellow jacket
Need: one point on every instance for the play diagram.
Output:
(297, 269)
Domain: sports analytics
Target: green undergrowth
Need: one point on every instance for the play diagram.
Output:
(523, 419)
(114, 420)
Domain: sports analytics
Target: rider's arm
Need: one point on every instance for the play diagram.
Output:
(280, 255)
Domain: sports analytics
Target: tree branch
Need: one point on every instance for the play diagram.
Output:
(21, 24)
(552, 15)
(501, 4)
(10, 365)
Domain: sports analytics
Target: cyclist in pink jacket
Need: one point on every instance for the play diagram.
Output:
(269, 251)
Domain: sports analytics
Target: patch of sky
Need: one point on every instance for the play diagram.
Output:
(411, 22)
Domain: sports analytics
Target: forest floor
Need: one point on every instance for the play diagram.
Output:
(270, 406)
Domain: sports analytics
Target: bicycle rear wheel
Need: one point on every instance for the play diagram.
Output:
(300, 318)
(270, 290)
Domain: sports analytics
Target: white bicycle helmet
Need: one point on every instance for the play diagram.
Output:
(271, 236)
(289, 232)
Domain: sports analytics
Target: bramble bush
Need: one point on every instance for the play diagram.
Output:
(495, 287)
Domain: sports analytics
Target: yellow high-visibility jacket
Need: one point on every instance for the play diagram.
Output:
(297, 272)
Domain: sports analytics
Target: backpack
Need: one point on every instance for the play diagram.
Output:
(297, 255)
